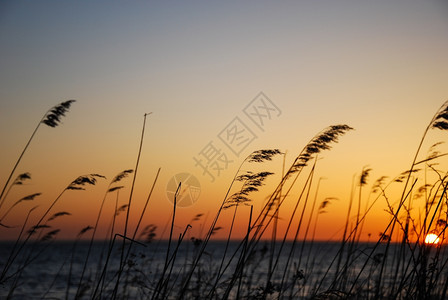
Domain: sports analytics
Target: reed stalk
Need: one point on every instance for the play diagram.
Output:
(122, 260)
(51, 118)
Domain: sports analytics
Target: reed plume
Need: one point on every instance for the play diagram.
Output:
(263, 155)
(26, 198)
(120, 176)
(320, 142)
(54, 115)
(51, 118)
(148, 233)
(121, 209)
(80, 182)
(34, 228)
(50, 235)
(440, 120)
(84, 230)
(59, 214)
(251, 183)
(115, 188)
(20, 179)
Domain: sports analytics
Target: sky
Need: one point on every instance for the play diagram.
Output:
(200, 68)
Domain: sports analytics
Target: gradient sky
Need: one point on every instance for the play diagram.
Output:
(378, 66)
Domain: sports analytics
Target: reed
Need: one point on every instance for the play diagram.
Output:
(122, 259)
(288, 264)
(78, 184)
(110, 188)
(51, 118)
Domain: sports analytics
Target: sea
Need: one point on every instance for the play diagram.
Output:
(159, 270)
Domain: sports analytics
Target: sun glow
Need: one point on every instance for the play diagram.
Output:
(432, 239)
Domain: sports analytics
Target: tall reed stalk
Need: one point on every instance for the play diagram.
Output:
(51, 118)
(115, 180)
(122, 258)
(77, 184)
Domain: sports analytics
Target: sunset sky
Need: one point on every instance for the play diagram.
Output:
(378, 66)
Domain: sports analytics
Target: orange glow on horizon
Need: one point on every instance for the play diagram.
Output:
(197, 78)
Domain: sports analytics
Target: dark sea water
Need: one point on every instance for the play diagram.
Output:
(53, 270)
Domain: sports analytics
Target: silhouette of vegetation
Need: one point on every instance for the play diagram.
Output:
(51, 118)
(267, 262)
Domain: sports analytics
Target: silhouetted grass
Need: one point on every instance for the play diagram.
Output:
(266, 263)
(51, 118)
